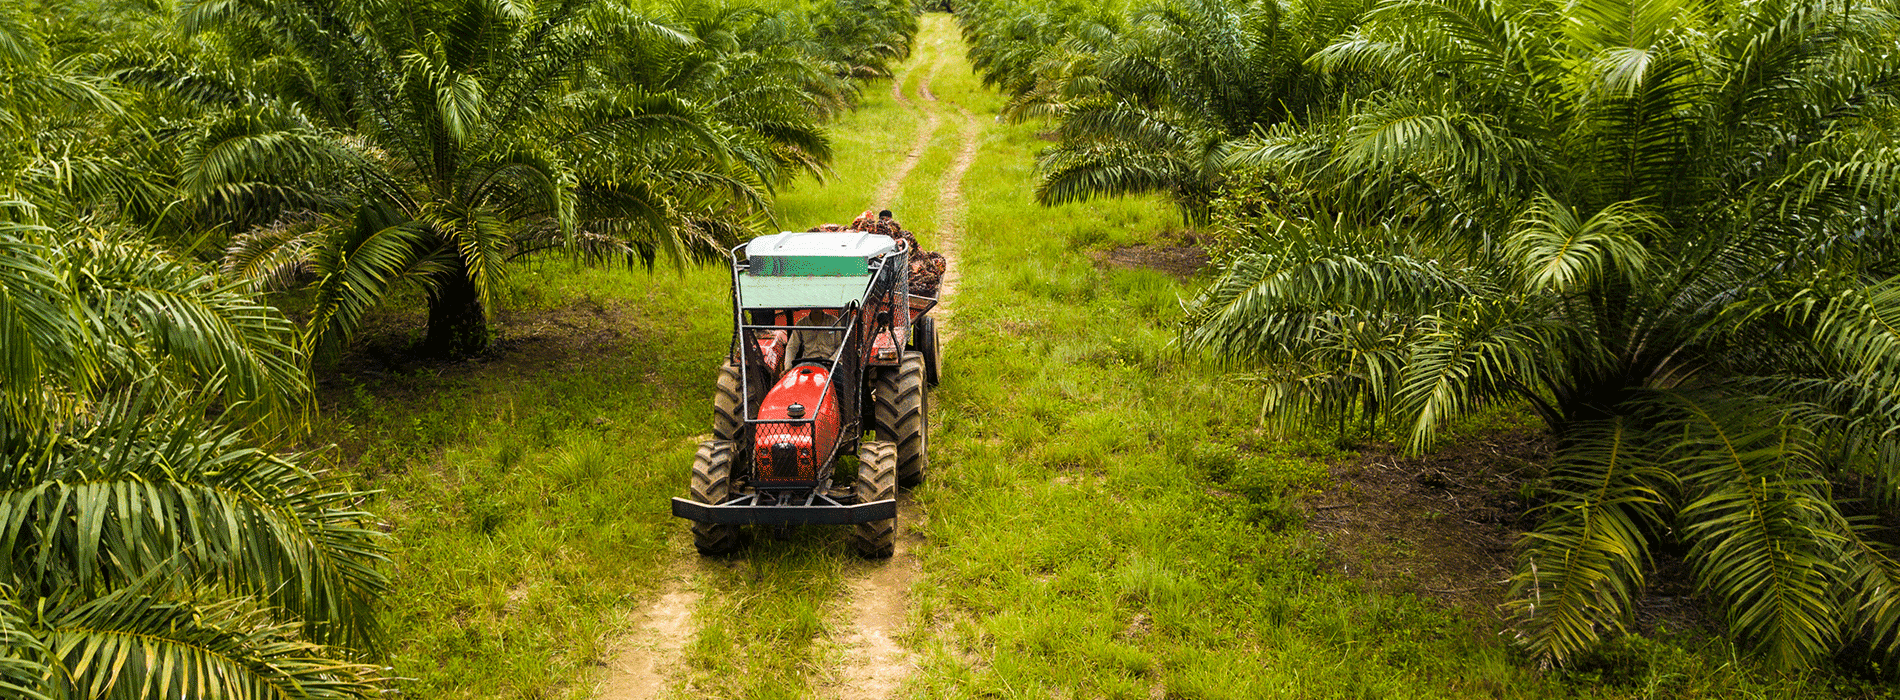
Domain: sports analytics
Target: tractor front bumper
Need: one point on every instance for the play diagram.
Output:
(822, 511)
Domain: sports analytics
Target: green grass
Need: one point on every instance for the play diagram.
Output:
(1105, 518)
(508, 486)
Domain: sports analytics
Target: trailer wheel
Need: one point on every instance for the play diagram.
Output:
(712, 485)
(925, 341)
(900, 415)
(729, 402)
(877, 481)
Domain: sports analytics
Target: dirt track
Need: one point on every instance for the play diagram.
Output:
(872, 664)
(895, 181)
(643, 669)
(875, 665)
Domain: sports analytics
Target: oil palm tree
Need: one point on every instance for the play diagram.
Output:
(1666, 232)
(862, 38)
(1149, 103)
(461, 135)
(150, 538)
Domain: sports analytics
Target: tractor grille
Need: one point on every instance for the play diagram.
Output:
(785, 462)
(785, 453)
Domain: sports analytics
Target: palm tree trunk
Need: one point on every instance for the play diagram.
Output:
(458, 325)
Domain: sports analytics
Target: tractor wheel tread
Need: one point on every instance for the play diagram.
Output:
(900, 415)
(728, 403)
(712, 484)
(877, 481)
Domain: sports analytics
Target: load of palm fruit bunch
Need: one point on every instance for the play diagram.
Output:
(926, 267)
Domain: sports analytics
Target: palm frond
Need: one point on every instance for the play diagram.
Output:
(1260, 307)
(40, 338)
(1759, 523)
(136, 491)
(1477, 352)
(128, 645)
(1558, 250)
(1582, 568)
(140, 299)
(359, 265)
(24, 665)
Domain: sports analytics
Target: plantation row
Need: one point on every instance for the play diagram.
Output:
(161, 167)
(1665, 228)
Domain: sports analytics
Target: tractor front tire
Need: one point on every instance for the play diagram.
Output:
(712, 485)
(901, 415)
(729, 401)
(877, 481)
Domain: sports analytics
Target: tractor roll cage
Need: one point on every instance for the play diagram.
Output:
(888, 293)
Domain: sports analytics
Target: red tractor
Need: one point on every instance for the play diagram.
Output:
(831, 358)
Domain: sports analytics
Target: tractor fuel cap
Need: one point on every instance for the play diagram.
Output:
(796, 410)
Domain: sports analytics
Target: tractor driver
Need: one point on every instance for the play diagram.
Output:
(814, 345)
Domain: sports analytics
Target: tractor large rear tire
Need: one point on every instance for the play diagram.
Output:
(729, 402)
(901, 415)
(877, 481)
(712, 485)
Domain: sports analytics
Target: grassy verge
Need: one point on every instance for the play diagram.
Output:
(1106, 520)
(509, 482)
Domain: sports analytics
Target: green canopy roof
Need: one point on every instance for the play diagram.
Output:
(817, 268)
(765, 291)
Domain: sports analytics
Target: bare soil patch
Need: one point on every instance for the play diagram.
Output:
(1444, 526)
(640, 668)
(897, 86)
(1183, 261)
(1440, 525)
(874, 664)
(527, 340)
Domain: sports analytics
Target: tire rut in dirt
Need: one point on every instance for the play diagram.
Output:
(899, 414)
(712, 483)
(950, 205)
(897, 87)
(921, 144)
(642, 669)
(877, 481)
(874, 666)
